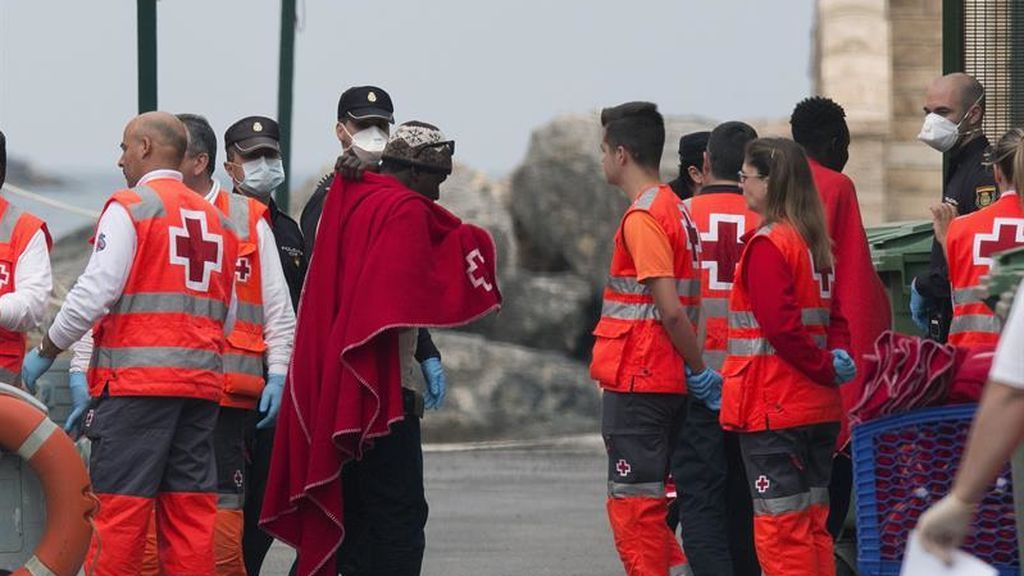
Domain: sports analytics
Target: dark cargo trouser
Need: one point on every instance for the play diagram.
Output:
(640, 433)
(146, 452)
(788, 474)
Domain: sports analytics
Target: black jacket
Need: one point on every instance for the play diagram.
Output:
(969, 185)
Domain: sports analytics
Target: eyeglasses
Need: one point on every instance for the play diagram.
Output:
(744, 177)
(447, 145)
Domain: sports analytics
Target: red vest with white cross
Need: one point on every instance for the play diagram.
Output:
(243, 361)
(762, 391)
(16, 230)
(722, 219)
(164, 336)
(632, 350)
(971, 242)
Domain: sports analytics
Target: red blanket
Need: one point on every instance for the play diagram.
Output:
(862, 297)
(385, 258)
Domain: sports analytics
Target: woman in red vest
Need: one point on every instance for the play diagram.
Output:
(786, 358)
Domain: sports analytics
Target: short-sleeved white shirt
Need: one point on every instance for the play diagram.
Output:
(1008, 366)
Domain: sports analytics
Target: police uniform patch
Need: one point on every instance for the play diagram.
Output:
(984, 195)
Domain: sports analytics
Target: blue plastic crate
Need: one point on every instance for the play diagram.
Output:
(902, 465)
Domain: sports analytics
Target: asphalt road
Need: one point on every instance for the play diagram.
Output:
(512, 509)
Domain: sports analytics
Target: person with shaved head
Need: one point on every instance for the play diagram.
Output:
(954, 109)
(159, 289)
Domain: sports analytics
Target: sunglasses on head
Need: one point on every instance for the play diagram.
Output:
(447, 145)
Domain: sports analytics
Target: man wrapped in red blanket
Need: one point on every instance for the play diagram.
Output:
(386, 259)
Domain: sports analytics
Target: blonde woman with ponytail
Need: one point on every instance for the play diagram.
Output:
(999, 424)
(787, 357)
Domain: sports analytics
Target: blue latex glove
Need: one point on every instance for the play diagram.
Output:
(846, 369)
(33, 367)
(919, 308)
(79, 400)
(270, 400)
(705, 386)
(437, 384)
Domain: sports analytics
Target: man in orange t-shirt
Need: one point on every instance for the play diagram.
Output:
(646, 341)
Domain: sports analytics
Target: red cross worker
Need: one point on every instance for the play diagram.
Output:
(159, 296)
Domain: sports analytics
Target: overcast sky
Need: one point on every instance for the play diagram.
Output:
(486, 72)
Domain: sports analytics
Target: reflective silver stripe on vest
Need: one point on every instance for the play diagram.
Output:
(809, 317)
(714, 358)
(642, 311)
(641, 490)
(150, 206)
(230, 501)
(688, 287)
(742, 320)
(239, 206)
(693, 314)
(974, 323)
(157, 357)
(243, 364)
(646, 200)
(972, 295)
(628, 285)
(251, 313)
(8, 223)
(761, 346)
(715, 307)
(35, 567)
(750, 347)
(8, 377)
(784, 505)
(36, 439)
(815, 316)
(172, 303)
(629, 310)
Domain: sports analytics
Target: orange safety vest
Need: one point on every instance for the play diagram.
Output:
(164, 336)
(16, 230)
(762, 391)
(243, 360)
(970, 244)
(722, 219)
(632, 351)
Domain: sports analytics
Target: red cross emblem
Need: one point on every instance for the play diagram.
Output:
(473, 261)
(623, 467)
(243, 270)
(692, 235)
(762, 484)
(825, 278)
(1006, 233)
(197, 249)
(722, 249)
(5, 274)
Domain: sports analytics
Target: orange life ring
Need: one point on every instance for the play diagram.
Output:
(70, 503)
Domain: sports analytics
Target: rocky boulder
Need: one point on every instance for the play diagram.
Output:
(564, 212)
(547, 311)
(502, 390)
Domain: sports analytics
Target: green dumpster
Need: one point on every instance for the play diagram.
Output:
(1003, 278)
(900, 251)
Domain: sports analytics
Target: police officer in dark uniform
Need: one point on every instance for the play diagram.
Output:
(259, 184)
(955, 108)
(365, 116)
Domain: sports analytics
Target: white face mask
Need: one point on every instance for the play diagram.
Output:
(940, 132)
(262, 176)
(368, 144)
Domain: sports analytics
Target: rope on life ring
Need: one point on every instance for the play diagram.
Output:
(70, 503)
